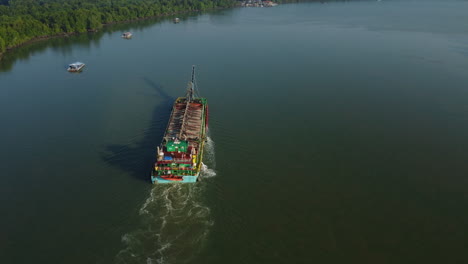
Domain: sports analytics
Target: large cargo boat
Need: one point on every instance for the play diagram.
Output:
(179, 157)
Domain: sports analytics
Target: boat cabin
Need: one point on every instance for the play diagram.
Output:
(75, 67)
(127, 35)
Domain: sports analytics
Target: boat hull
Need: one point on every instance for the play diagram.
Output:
(76, 69)
(185, 179)
(182, 162)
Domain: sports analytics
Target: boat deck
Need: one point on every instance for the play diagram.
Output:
(185, 122)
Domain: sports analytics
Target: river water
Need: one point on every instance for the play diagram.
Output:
(338, 134)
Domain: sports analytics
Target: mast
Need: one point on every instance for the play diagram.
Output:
(193, 73)
(189, 98)
(190, 89)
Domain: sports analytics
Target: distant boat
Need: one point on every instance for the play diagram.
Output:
(75, 67)
(127, 35)
(176, 20)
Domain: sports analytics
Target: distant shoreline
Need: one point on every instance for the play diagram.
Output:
(62, 35)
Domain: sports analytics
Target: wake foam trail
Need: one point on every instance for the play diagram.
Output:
(207, 172)
(174, 226)
(209, 156)
(209, 164)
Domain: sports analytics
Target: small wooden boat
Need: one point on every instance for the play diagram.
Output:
(176, 20)
(127, 35)
(75, 67)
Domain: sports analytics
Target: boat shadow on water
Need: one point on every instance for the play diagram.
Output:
(174, 220)
(136, 158)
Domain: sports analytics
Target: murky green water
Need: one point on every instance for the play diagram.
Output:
(338, 135)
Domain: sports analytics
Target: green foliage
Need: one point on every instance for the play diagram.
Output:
(2, 44)
(23, 20)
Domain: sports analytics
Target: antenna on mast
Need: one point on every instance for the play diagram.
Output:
(193, 74)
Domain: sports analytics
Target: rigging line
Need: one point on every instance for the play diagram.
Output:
(194, 82)
(197, 91)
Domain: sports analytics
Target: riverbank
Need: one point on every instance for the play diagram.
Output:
(21, 26)
(61, 35)
(37, 39)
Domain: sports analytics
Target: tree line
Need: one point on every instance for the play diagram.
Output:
(24, 20)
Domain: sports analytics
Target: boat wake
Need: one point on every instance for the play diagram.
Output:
(208, 167)
(174, 227)
(207, 172)
(174, 222)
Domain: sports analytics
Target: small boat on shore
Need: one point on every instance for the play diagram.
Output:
(176, 20)
(127, 35)
(75, 67)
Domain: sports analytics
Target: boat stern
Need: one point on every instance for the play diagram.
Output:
(185, 179)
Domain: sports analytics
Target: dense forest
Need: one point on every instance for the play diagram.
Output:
(23, 20)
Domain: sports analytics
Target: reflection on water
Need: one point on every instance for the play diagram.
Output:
(66, 44)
